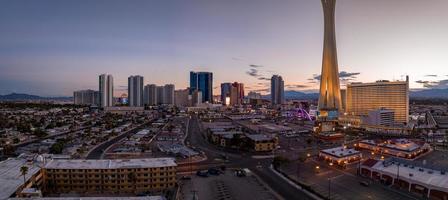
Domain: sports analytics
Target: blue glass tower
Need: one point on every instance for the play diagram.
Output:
(202, 81)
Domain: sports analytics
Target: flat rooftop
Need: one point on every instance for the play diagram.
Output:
(340, 152)
(420, 175)
(259, 137)
(397, 144)
(110, 164)
(10, 176)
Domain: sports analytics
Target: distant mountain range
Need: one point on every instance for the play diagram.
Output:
(28, 97)
(293, 95)
(430, 93)
(289, 95)
(418, 94)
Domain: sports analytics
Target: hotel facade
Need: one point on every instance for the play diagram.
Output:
(364, 97)
(109, 176)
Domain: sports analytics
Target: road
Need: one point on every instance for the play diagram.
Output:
(98, 151)
(50, 137)
(258, 166)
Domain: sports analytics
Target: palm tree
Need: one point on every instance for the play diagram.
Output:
(24, 171)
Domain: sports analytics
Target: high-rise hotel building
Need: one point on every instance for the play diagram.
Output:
(277, 90)
(203, 82)
(86, 97)
(150, 95)
(135, 91)
(106, 89)
(393, 95)
(232, 93)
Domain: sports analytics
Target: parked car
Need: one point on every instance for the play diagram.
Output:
(202, 173)
(364, 183)
(214, 171)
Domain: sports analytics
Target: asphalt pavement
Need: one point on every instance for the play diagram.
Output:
(259, 167)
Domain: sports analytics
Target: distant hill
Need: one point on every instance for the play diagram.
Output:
(420, 94)
(296, 95)
(27, 97)
(430, 93)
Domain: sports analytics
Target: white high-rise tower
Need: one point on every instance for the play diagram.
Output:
(106, 90)
(135, 91)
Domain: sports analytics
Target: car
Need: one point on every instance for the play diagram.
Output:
(364, 183)
(202, 173)
(185, 178)
(223, 168)
(214, 171)
(240, 173)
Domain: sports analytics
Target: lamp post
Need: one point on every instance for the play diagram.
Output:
(329, 188)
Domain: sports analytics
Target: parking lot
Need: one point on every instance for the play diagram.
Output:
(225, 186)
(339, 184)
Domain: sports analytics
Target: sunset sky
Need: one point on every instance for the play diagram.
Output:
(52, 48)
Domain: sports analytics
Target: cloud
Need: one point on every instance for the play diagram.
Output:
(441, 84)
(253, 72)
(237, 59)
(264, 79)
(262, 90)
(422, 82)
(255, 66)
(343, 76)
(296, 86)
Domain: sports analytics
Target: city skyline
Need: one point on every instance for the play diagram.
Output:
(240, 41)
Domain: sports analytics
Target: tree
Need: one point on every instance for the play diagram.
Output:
(24, 171)
(236, 140)
(40, 133)
(280, 160)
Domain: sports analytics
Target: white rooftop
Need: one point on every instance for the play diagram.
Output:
(434, 179)
(110, 164)
(398, 144)
(340, 152)
(10, 176)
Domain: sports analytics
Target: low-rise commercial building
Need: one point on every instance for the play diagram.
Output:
(402, 148)
(12, 179)
(262, 142)
(409, 176)
(340, 155)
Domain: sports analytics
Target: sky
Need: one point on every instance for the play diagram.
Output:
(53, 47)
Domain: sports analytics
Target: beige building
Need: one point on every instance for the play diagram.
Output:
(109, 176)
(182, 98)
(393, 95)
(262, 142)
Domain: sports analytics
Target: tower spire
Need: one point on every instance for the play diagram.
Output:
(330, 94)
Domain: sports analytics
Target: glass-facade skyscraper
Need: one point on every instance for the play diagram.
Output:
(203, 82)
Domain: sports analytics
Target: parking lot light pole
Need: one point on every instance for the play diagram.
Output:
(329, 188)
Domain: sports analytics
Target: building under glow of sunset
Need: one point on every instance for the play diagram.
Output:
(392, 95)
